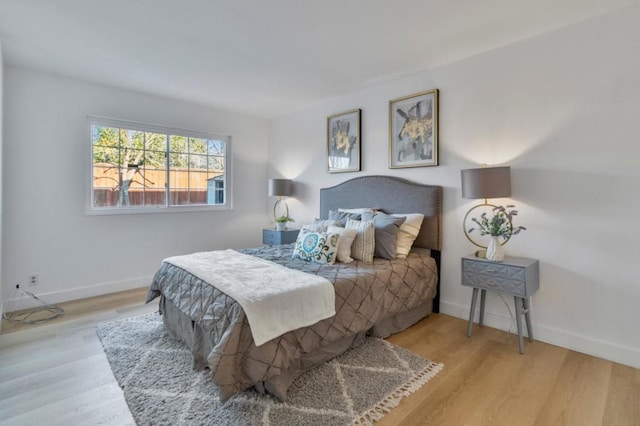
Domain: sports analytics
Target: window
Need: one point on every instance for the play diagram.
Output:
(137, 167)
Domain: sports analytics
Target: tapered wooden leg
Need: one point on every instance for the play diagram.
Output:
(472, 312)
(527, 317)
(518, 302)
(483, 293)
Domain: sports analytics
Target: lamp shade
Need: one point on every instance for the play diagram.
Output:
(486, 182)
(280, 187)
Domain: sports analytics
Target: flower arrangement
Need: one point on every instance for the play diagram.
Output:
(500, 224)
(284, 219)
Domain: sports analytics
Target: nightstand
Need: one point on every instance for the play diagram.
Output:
(272, 237)
(514, 276)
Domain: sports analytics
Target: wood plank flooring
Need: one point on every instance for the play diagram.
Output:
(57, 374)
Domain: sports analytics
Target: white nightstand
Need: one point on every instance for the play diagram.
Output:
(514, 276)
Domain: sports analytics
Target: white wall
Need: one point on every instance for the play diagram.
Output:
(1, 133)
(46, 173)
(562, 110)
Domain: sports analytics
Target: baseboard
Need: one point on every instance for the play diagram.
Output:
(75, 293)
(554, 336)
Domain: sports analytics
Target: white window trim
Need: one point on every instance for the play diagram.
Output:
(90, 210)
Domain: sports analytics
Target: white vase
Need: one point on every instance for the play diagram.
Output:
(495, 252)
(281, 226)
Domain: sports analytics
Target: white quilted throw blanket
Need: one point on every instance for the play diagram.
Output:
(275, 299)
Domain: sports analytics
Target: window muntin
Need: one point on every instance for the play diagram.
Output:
(138, 167)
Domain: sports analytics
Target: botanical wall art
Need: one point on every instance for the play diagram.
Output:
(343, 142)
(413, 130)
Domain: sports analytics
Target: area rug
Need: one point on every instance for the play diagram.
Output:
(161, 388)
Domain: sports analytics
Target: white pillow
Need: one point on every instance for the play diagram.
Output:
(365, 242)
(360, 210)
(407, 233)
(347, 236)
(319, 225)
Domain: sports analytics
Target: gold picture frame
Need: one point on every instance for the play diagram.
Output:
(413, 130)
(343, 142)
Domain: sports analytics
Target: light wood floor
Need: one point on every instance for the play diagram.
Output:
(57, 374)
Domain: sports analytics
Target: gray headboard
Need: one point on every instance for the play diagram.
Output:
(391, 195)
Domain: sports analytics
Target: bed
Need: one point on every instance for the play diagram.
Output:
(378, 298)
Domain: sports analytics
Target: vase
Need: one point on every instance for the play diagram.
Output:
(281, 226)
(495, 252)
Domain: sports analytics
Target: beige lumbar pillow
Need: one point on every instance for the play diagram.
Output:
(407, 233)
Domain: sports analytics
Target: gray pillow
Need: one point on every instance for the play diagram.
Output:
(341, 217)
(386, 233)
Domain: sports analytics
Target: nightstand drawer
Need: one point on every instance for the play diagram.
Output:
(494, 270)
(495, 283)
(516, 276)
(273, 237)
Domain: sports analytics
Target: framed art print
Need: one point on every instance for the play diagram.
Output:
(413, 130)
(343, 142)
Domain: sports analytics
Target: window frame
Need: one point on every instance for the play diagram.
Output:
(91, 209)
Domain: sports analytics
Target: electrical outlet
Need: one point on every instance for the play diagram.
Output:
(33, 279)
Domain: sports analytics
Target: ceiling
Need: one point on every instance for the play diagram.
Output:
(267, 57)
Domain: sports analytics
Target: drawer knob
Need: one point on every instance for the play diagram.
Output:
(491, 282)
(491, 270)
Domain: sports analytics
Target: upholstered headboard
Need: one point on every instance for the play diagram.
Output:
(393, 195)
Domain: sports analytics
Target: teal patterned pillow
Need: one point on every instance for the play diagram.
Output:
(316, 247)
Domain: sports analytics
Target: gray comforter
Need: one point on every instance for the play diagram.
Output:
(216, 328)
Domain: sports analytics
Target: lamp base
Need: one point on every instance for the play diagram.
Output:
(481, 254)
(275, 208)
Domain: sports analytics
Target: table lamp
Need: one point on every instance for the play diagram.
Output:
(280, 188)
(484, 183)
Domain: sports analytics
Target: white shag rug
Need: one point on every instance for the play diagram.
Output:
(161, 388)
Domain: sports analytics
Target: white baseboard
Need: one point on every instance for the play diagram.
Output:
(74, 293)
(552, 335)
